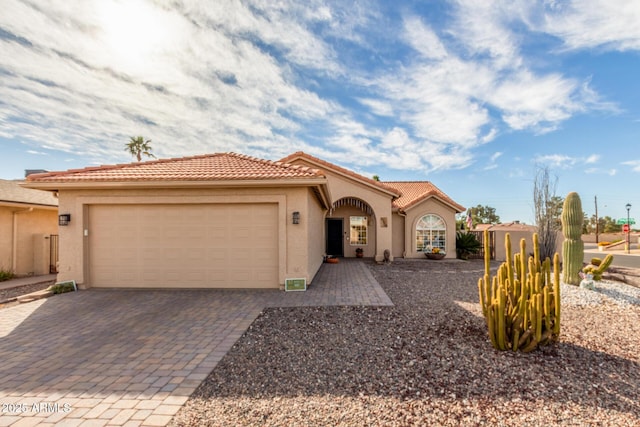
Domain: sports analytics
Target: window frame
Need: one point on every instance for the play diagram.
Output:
(364, 232)
(431, 237)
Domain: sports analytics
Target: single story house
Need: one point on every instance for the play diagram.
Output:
(228, 220)
(27, 220)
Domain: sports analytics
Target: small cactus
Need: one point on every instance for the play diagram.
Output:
(597, 270)
(573, 247)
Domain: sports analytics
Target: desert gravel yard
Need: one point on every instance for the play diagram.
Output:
(426, 361)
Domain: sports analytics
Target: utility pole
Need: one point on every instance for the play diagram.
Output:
(595, 198)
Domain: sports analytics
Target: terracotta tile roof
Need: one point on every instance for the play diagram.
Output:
(372, 182)
(12, 192)
(209, 167)
(413, 192)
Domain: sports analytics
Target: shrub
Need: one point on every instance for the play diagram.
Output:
(61, 288)
(6, 275)
(466, 244)
(604, 243)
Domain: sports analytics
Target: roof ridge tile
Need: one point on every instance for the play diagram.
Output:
(330, 165)
(216, 166)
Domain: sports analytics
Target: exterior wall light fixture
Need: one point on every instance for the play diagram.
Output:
(64, 219)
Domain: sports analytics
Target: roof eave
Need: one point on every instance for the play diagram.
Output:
(104, 185)
(13, 204)
(458, 208)
(327, 165)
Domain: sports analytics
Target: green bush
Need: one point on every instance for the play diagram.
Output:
(466, 244)
(6, 275)
(61, 288)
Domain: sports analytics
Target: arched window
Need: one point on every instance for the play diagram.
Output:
(431, 232)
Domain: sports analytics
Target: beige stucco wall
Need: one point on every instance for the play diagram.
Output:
(6, 238)
(316, 235)
(435, 207)
(398, 235)
(27, 224)
(293, 249)
(341, 186)
(516, 237)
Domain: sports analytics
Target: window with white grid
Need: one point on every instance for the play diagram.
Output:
(358, 230)
(431, 232)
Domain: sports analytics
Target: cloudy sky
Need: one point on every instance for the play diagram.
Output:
(474, 96)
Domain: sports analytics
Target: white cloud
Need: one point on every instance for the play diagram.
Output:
(594, 158)
(377, 107)
(566, 162)
(483, 28)
(422, 38)
(556, 160)
(583, 24)
(635, 165)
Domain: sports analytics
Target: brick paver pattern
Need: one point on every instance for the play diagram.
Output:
(133, 357)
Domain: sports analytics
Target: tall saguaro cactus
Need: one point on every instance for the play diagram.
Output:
(573, 247)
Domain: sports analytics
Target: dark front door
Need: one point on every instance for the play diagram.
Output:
(334, 237)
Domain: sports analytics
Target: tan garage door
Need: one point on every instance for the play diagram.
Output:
(184, 246)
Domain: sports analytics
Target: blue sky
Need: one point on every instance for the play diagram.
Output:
(474, 96)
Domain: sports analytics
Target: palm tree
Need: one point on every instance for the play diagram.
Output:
(138, 146)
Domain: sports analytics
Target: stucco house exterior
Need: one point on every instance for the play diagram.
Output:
(228, 220)
(27, 220)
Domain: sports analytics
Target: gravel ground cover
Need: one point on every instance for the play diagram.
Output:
(6, 295)
(426, 361)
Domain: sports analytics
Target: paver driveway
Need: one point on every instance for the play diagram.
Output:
(114, 357)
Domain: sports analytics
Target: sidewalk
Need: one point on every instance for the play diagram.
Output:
(31, 280)
(633, 251)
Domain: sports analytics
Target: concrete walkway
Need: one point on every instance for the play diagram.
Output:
(30, 280)
(133, 358)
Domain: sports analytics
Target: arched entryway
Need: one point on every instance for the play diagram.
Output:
(350, 224)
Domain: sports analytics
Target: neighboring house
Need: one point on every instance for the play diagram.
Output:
(517, 232)
(232, 221)
(27, 219)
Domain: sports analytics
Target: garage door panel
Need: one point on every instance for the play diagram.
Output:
(205, 245)
(216, 233)
(217, 256)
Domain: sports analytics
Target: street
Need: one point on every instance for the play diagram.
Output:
(620, 257)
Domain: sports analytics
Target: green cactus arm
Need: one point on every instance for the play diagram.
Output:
(487, 253)
(501, 319)
(556, 293)
(481, 294)
(523, 260)
(605, 264)
(536, 250)
(539, 316)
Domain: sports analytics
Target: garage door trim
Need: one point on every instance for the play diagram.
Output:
(280, 200)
